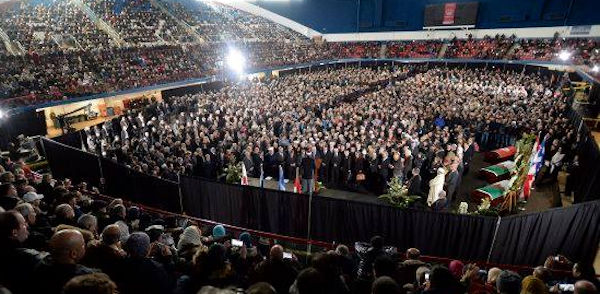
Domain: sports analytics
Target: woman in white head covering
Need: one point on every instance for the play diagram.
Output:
(436, 185)
(191, 237)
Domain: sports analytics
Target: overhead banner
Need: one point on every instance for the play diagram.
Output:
(449, 13)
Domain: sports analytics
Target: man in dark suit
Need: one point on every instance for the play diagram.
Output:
(324, 169)
(383, 169)
(336, 165)
(452, 182)
(307, 167)
(414, 183)
(346, 168)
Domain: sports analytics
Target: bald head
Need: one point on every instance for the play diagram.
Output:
(68, 246)
(276, 252)
(585, 287)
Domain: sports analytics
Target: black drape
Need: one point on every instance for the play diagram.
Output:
(245, 206)
(529, 239)
(68, 162)
(438, 234)
(72, 139)
(134, 186)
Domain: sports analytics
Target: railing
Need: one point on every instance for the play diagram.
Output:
(325, 245)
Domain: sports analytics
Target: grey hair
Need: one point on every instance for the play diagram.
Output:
(24, 209)
(87, 221)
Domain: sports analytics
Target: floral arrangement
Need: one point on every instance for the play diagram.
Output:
(397, 194)
(233, 173)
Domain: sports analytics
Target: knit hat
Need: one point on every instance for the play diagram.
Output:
(218, 231)
(137, 244)
(124, 230)
(246, 238)
(190, 236)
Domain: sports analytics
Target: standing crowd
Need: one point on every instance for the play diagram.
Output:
(352, 128)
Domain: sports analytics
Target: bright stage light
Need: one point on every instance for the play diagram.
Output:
(596, 68)
(235, 61)
(564, 55)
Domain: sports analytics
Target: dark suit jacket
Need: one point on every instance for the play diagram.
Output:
(415, 186)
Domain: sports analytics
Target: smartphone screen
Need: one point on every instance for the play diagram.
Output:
(287, 255)
(236, 243)
(426, 276)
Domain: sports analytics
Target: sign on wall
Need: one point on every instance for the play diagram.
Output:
(451, 14)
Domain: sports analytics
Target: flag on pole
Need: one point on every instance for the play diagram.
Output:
(244, 175)
(535, 163)
(261, 180)
(297, 185)
(281, 179)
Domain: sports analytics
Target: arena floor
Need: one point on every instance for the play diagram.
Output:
(543, 197)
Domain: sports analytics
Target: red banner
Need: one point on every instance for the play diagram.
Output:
(449, 12)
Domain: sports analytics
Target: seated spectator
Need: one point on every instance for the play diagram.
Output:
(137, 273)
(508, 282)
(347, 263)
(261, 288)
(8, 195)
(88, 222)
(492, 276)
(327, 266)
(441, 280)
(64, 214)
(456, 268)
(385, 285)
(408, 267)
(584, 287)
(585, 271)
(308, 281)
(105, 254)
(533, 285)
(276, 270)
(189, 242)
(18, 263)
(96, 283)
(67, 249)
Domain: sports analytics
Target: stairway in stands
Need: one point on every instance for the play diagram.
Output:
(180, 22)
(101, 24)
(13, 50)
(512, 49)
(383, 51)
(442, 50)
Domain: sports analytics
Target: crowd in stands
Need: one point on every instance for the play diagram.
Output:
(486, 48)
(139, 22)
(40, 78)
(51, 26)
(56, 237)
(67, 55)
(414, 49)
(352, 128)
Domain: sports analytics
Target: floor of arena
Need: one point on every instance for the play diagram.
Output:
(542, 198)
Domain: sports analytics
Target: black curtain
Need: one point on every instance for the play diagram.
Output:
(134, 186)
(250, 207)
(529, 239)
(438, 234)
(72, 139)
(75, 164)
